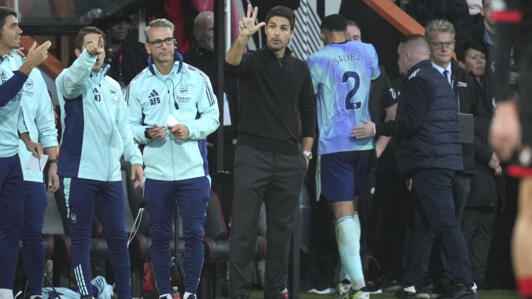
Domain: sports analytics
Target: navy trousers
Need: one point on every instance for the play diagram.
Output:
(11, 217)
(192, 196)
(83, 198)
(35, 202)
(434, 217)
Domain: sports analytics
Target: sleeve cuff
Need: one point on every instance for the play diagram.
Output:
(192, 132)
(20, 75)
(136, 160)
(48, 142)
(146, 135)
(232, 69)
(377, 130)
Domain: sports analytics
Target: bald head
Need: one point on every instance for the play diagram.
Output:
(417, 46)
(204, 30)
(412, 50)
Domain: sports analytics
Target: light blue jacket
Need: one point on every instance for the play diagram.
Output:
(11, 120)
(94, 123)
(185, 93)
(36, 106)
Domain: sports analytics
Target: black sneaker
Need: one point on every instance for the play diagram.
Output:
(423, 292)
(390, 285)
(371, 288)
(459, 292)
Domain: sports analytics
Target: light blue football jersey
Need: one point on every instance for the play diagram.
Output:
(341, 77)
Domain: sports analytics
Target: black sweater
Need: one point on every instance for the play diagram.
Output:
(278, 105)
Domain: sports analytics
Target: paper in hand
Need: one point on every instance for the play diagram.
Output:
(171, 121)
(35, 164)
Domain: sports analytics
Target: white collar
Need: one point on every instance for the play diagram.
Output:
(440, 69)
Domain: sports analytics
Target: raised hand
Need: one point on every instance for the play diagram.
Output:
(247, 25)
(95, 48)
(36, 55)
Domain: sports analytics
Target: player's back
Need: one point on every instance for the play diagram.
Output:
(342, 74)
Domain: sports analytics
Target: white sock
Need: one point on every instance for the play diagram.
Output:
(165, 296)
(6, 294)
(357, 228)
(347, 238)
(187, 294)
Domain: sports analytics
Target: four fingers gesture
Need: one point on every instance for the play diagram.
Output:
(247, 25)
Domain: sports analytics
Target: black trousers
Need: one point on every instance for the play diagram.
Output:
(461, 193)
(478, 230)
(388, 222)
(478, 221)
(434, 217)
(275, 179)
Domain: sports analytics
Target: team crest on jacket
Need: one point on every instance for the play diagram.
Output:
(27, 88)
(182, 90)
(29, 84)
(461, 84)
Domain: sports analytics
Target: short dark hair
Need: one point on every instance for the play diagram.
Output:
(282, 11)
(462, 50)
(78, 41)
(352, 23)
(334, 23)
(4, 13)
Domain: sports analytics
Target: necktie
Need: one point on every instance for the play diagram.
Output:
(446, 75)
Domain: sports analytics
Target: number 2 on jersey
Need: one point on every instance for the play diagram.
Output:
(353, 91)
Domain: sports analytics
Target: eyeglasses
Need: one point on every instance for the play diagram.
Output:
(442, 44)
(159, 42)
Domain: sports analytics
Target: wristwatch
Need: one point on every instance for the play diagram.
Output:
(307, 154)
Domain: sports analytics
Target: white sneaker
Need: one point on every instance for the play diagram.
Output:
(321, 292)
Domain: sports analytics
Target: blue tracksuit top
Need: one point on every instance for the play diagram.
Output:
(185, 93)
(94, 123)
(36, 106)
(11, 82)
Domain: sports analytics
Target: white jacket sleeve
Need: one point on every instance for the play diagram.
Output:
(131, 150)
(70, 82)
(208, 121)
(135, 117)
(45, 120)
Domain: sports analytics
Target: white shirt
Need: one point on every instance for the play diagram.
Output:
(441, 70)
